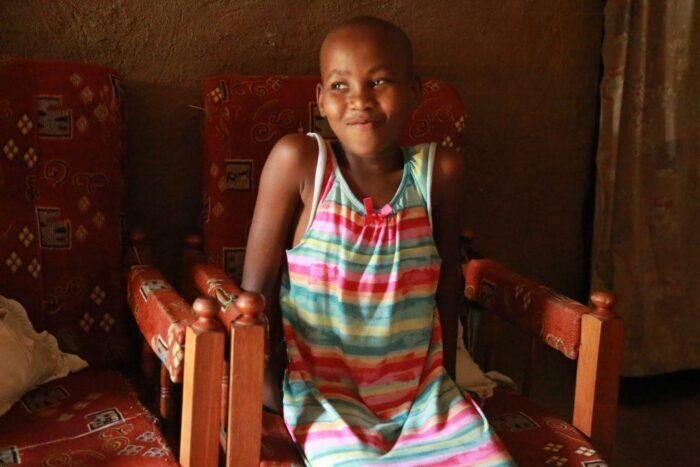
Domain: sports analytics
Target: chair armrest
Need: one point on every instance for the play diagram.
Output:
(212, 281)
(540, 311)
(162, 316)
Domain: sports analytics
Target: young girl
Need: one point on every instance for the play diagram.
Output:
(366, 224)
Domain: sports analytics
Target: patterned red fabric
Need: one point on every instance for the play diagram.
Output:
(211, 280)
(246, 115)
(61, 200)
(162, 316)
(89, 418)
(61, 210)
(535, 437)
(538, 309)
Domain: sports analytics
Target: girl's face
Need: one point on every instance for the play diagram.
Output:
(366, 91)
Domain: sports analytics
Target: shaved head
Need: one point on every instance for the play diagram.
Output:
(374, 29)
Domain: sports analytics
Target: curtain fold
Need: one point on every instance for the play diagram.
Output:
(647, 219)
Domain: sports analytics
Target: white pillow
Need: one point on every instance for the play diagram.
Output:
(469, 376)
(27, 359)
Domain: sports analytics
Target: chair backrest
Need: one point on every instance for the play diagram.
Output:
(61, 202)
(244, 118)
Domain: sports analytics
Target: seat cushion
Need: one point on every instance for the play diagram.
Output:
(535, 437)
(87, 418)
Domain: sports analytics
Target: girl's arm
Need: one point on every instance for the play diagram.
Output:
(280, 200)
(447, 199)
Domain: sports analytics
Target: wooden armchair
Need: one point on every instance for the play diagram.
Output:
(62, 258)
(592, 336)
(244, 116)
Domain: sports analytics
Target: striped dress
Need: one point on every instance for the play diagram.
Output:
(365, 383)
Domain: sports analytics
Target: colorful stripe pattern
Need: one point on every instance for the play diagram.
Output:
(365, 383)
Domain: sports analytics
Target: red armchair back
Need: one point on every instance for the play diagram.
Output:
(61, 211)
(61, 202)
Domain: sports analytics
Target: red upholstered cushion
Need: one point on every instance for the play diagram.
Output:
(538, 309)
(61, 200)
(90, 418)
(535, 437)
(244, 118)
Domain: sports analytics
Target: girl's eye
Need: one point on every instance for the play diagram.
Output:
(379, 82)
(338, 85)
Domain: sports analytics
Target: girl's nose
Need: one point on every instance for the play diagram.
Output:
(360, 99)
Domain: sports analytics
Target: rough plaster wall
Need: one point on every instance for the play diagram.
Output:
(526, 69)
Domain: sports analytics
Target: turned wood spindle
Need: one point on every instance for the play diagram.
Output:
(137, 236)
(138, 254)
(191, 255)
(466, 245)
(194, 241)
(251, 306)
(206, 309)
(166, 394)
(468, 235)
(149, 368)
(224, 397)
(603, 303)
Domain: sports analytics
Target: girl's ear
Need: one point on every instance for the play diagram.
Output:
(319, 99)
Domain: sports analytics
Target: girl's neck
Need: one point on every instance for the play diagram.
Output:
(377, 177)
(388, 161)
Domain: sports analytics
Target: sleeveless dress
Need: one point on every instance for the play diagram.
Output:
(365, 383)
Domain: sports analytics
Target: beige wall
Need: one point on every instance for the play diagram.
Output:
(526, 69)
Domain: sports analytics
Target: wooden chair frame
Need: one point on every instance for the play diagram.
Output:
(237, 412)
(599, 359)
(222, 398)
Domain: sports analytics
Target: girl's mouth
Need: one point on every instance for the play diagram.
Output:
(362, 123)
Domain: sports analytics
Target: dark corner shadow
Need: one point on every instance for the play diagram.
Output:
(163, 166)
(659, 388)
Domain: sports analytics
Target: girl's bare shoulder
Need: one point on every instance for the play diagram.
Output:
(292, 160)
